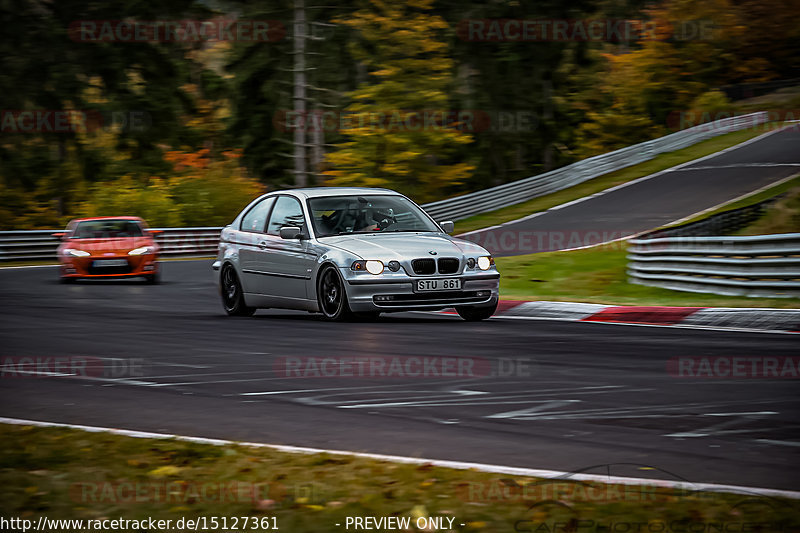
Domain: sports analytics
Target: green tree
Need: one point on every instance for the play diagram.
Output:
(48, 66)
(409, 73)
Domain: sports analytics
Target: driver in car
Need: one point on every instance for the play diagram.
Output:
(363, 218)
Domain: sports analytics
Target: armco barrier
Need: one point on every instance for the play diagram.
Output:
(586, 169)
(724, 223)
(40, 244)
(761, 265)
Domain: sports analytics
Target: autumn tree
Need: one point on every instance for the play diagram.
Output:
(687, 48)
(389, 141)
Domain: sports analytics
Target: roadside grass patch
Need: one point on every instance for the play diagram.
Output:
(314, 492)
(598, 275)
(781, 217)
(790, 186)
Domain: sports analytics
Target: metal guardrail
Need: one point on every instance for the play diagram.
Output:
(760, 265)
(522, 190)
(40, 244)
(723, 223)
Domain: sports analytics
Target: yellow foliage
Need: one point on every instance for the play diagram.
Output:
(410, 73)
(204, 193)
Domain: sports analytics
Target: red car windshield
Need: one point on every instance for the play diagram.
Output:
(106, 229)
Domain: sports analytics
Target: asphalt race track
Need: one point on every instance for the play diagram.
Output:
(651, 203)
(530, 393)
(541, 394)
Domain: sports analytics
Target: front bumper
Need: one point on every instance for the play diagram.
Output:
(396, 293)
(83, 267)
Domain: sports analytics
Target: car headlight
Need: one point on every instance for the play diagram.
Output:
(485, 262)
(372, 266)
(76, 253)
(140, 251)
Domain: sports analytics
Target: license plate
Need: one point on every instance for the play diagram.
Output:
(110, 262)
(427, 285)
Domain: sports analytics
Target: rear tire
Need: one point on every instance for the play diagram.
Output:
(65, 280)
(331, 295)
(474, 314)
(232, 293)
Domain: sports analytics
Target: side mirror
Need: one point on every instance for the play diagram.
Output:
(291, 232)
(59, 234)
(448, 226)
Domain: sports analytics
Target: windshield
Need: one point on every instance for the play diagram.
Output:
(337, 215)
(106, 229)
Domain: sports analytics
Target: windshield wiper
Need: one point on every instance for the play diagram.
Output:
(375, 232)
(350, 233)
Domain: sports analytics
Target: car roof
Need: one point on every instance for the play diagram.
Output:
(108, 218)
(316, 192)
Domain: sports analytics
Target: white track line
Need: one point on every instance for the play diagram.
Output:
(682, 326)
(672, 224)
(628, 184)
(458, 465)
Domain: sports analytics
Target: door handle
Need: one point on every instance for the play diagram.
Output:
(262, 244)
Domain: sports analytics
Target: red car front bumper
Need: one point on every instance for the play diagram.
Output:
(118, 266)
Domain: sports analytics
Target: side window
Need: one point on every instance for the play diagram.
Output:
(287, 212)
(256, 218)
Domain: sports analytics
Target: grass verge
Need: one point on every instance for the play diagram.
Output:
(598, 275)
(791, 184)
(657, 164)
(782, 216)
(70, 474)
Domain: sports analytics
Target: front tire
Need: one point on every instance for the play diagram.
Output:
(331, 295)
(153, 278)
(474, 314)
(232, 293)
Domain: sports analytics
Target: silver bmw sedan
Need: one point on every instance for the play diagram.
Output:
(350, 252)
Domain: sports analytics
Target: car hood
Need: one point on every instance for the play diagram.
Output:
(400, 246)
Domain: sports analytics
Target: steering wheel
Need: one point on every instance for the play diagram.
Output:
(384, 220)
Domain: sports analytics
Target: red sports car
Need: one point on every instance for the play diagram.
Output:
(108, 247)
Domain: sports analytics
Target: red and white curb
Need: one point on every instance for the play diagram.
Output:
(732, 318)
